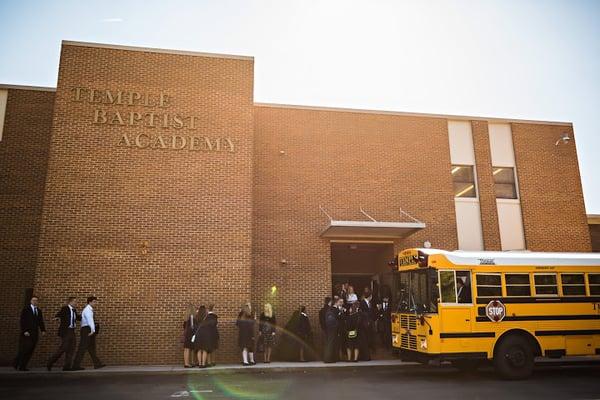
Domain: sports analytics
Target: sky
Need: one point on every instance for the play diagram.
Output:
(513, 59)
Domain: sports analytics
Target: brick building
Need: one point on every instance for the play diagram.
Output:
(151, 179)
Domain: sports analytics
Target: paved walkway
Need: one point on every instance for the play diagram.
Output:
(260, 367)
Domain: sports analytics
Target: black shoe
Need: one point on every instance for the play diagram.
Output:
(246, 364)
(253, 363)
(99, 366)
(77, 369)
(48, 367)
(23, 369)
(67, 369)
(187, 366)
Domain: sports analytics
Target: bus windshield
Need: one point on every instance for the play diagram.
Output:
(417, 291)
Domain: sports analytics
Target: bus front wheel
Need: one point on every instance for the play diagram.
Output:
(513, 358)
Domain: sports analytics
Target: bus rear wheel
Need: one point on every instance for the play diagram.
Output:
(513, 358)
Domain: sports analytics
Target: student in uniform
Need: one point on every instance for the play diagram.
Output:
(68, 317)
(32, 323)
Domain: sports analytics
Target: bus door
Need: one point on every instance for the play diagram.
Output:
(455, 303)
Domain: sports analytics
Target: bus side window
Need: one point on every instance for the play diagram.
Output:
(463, 293)
(594, 280)
(447, 287)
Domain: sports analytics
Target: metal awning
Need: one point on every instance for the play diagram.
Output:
(371, 229)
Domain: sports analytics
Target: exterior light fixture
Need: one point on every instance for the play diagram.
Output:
(565, 138)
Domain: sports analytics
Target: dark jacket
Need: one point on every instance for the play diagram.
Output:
(331, 319)
(322, 315)
(30, 323)
(246, 332)
(212, 321)
(304, 329)
(64, 315)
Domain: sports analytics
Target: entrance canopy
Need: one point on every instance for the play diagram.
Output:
(371, 229)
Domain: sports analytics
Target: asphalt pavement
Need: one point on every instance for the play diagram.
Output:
(416, 382)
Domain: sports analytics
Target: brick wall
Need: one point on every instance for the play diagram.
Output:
(552, 203)
(23, 162)
(340, 161)
(148, 230)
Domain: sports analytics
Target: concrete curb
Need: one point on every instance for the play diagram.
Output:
(225, 369)
(277, 367)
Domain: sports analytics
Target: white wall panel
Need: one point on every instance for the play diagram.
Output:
(461, 143)
(510, 222)
(501, 145)
(468, 224)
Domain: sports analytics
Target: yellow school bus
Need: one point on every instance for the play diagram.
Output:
(508, 307)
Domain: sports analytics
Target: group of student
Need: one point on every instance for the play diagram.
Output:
(201, 335)
(32, 325)
(350, 325)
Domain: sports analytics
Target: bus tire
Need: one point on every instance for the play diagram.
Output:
(513, 358)
(466, 364)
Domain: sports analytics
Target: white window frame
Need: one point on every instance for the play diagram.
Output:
(476, 198)
(456, 303)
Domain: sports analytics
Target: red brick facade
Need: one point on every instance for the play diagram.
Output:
(234, 215)
(23, 164)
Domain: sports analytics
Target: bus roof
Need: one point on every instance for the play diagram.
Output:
(461, 257)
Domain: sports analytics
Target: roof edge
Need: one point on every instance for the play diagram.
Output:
(25, 87)
(413, 114)
(155, 50)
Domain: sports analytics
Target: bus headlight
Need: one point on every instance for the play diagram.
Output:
(423, 344)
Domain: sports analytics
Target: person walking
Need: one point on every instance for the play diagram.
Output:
(202, 337)
(245, 324)
(67, 316)
(87, 336)
(266, 330)
(212, 320)
(31, 324)
(189, 326)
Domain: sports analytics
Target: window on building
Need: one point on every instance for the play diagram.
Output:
(488, 285)
(573, 284)
(545, 285)
(594, 281)
(517, 285)
(463, 178)
(504, 182)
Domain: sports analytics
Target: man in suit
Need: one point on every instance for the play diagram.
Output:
(384, 322)
(66, 331)
(368, 309)
(87, 337)
(32, 323)
(463, 291)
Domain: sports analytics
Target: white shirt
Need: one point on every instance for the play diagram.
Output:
(351, 298)
(87, 318)
(72, 321)
(34, 309)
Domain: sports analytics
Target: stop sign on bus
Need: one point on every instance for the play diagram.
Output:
(495, 311)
